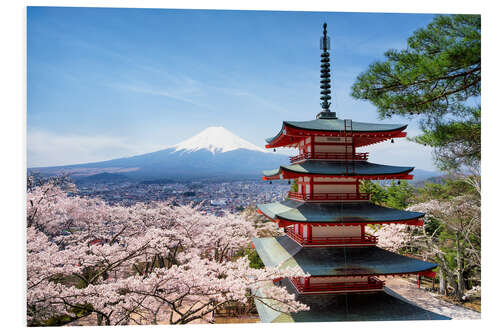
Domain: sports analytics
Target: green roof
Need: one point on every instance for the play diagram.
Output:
(337, 125)
(376, 306)
(354, 168)
(345, 212)
(335, 261)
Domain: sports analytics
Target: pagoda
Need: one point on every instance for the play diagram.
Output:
(325, 220)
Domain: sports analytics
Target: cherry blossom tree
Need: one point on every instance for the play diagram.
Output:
(455, 241)
(144, 264)
(450, 237)
(394, 237)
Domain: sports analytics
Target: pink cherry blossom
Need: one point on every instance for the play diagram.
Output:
(142, 264)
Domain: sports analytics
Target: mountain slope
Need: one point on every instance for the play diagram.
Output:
(214, 152)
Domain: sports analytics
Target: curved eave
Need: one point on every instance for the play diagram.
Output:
(282, 173)
(334, 261)
(290, 212)
(357, 169)
(290, 135)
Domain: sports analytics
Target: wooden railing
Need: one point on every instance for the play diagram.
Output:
(372, 284)
(365, 239)
(329, 156)
(329, 196)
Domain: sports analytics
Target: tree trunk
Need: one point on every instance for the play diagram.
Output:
(459, 292)
(449, 275)
(99, 319)
(442, 282)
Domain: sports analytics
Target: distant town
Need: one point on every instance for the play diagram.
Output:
(213, 197)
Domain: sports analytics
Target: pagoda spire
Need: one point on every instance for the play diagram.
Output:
(325, 77)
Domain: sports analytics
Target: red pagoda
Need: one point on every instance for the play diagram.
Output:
(325, 220)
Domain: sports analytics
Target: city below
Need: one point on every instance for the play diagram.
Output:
(213, 197)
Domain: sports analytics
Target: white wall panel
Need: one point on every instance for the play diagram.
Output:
(332, 149)
(330, 279)
(326, 179)
(335, 188)
(331, 139)
(337, 231)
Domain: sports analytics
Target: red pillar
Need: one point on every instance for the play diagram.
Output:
(312, 186)
(312, 147)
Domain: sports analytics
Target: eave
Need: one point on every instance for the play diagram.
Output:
(290, 136)
(339, 169)
(286, 174)
(290, 212)
(285, 253)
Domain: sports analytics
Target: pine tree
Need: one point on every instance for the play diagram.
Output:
(438, 76)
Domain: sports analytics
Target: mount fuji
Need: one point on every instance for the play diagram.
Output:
(215, 140)
(215, 153)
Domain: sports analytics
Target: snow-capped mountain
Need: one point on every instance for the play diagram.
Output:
(213, 153)
(215, 140)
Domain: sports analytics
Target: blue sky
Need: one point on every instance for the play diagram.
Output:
(106, 83)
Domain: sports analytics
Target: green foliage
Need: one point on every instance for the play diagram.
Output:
(455, 142)
(82, 310)
(433, 227)
(378, 194)
(255, 261)
(56, 321)
(452, 187)
(399, 194)
(435, 77)
(295, 186)
(432, 191)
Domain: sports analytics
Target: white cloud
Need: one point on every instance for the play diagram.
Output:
(51, 149)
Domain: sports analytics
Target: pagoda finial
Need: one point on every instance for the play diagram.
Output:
(325, 77)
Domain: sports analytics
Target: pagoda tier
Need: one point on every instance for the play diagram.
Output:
(335, 262)
(325, 128)
(339, 169)
(373, 306)
(290, 212)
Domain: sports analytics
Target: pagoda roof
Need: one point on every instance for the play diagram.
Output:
(335, 127)
(335, 212)
(284, 252)
(363, 169)
(375, 306)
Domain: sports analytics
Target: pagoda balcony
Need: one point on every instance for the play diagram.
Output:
(329, 156)
(362, 240)
(338, 287)
(329, 196)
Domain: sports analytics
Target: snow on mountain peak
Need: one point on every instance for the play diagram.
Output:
(216, 139)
